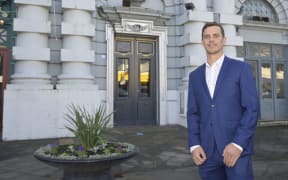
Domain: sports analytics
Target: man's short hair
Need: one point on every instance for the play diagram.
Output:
(209, 24)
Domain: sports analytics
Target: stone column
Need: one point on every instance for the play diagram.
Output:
(31, 52)
(194, 53)
(224, 6)
(226, 10)
(77, 31)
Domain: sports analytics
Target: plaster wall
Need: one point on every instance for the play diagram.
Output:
(39, 113)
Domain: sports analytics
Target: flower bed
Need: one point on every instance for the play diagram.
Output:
(77, 151)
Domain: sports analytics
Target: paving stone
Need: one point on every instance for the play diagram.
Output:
(163, 154)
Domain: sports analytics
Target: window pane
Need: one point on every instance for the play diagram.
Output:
(280, 81)
(123, 46)
(122, 77)
(259, 50)
(145, 48)
(144, 77)
(280, 52)
(266, 80)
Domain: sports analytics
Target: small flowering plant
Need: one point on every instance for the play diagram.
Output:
(87, 128)
(77, 151)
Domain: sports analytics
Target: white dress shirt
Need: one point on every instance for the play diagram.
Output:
(212, 73)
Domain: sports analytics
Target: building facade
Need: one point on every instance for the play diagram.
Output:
(133, 56)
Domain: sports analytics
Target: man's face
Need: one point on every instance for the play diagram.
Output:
(212, 40)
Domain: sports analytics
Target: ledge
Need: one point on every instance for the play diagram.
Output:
(195, 16)
(34, 2)
(264, 25)
(262, 123)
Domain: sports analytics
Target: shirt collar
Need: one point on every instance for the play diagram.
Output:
(218, 62)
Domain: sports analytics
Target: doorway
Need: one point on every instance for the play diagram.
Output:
(135, 81)
(270, 67)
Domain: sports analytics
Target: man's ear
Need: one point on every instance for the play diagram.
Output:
(224, 40)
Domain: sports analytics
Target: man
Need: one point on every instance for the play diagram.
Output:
(222, 114)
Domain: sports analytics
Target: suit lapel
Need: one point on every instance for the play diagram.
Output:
(221, 76)
(203, 81)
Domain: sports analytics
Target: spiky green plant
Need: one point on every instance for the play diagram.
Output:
(87, 127)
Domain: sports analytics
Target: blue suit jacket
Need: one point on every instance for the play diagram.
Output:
(230, 116)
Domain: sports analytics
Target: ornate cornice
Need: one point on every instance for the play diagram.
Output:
(116, 14)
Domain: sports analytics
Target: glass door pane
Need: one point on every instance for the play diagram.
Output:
(266, 80)
(280, 83)
(123, 77)
(281, 100)
(144, 78)
(266, 92)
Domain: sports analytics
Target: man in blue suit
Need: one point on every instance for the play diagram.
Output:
(223, 109)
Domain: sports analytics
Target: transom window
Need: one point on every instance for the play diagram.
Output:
(259, 11)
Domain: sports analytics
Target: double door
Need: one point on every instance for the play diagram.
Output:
(135, 81)
(270, 67)
(274, 99)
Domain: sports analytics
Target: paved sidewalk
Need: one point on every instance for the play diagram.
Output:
(163, 155)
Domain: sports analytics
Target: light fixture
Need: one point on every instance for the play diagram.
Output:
(2, 22)
(189, 6)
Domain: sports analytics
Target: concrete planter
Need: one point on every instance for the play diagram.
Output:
(86, 168)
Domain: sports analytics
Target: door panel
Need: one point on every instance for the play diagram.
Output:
(274, 98)
(281, 100)
(135, 92)
(266, 92)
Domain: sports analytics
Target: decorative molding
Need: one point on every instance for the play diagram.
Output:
(135, 28)
(115, 14)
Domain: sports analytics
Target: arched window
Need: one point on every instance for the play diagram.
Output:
(259, 11)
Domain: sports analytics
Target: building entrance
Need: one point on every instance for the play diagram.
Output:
(270, 66)
(135, 81)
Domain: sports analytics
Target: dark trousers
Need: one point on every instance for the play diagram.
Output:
(214, 168)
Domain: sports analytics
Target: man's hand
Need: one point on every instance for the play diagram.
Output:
(231, 154)
(198, 156)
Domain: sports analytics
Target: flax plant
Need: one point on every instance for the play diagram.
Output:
(87, 127)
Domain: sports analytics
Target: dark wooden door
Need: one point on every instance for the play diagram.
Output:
(135, 81)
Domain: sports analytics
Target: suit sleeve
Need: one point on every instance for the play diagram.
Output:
(250, 106)
(193, 116)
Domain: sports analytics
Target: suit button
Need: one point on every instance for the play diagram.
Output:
(212, 105)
